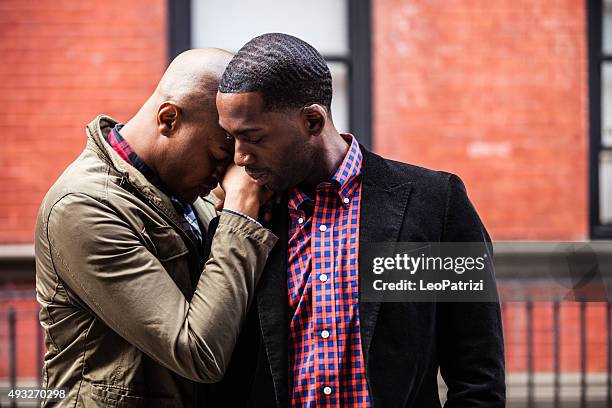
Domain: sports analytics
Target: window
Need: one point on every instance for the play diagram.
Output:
(600, 118)
(339, 29)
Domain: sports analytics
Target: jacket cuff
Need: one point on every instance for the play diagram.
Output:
(243, 226)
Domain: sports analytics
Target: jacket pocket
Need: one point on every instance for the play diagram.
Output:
(168, 245)
(113, 396)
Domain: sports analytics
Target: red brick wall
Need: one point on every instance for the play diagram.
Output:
(64, 62)
(494, 91)
(497, 92)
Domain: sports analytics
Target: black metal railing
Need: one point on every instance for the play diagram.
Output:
(583, 399)
(12, 317)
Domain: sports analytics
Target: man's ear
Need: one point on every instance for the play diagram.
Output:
(314, 117)
(168, 116)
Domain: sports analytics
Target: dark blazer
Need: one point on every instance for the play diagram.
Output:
(403, 343)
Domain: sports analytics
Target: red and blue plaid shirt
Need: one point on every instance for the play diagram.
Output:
(326, 366)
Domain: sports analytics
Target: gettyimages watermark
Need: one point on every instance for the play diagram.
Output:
(427, 272)
(465, 272)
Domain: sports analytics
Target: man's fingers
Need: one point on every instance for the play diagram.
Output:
(218, 192)
(219, 205)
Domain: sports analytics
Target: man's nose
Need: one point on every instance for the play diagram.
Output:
(241, 157)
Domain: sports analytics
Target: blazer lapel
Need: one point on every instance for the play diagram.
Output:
(383, 203)
(272, 306)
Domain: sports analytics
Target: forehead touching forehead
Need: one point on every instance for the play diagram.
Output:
(286, 71)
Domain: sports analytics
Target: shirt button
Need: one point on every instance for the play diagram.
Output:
(323, 228)
(323, 277)
(346, 200)
(300, 220)
(327, 390)
(325, 334)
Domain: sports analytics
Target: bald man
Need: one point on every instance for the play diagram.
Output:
(136, 303)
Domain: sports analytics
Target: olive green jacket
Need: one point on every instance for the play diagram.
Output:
(124, 325)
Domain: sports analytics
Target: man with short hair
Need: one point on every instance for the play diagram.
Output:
(311, 341)
(134, 309)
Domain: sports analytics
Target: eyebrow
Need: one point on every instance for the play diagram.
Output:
(242, 131)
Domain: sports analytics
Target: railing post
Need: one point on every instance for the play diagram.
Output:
(39, 349)
(583, 355)
(12, 332)
(609, 374)
(530, 380)
(557, 353)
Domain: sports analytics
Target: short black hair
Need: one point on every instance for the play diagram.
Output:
(286, 71)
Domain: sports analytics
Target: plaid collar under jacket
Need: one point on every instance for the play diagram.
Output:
(190, 224)
(326, 366)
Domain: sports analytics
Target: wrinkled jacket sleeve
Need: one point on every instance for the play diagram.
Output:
(470, 339)
(102, 260)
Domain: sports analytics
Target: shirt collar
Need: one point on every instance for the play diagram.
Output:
(349, 170)
(345, 178)
(123, 149)
(297, 197)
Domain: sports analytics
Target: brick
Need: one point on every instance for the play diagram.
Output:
(67, 62)
(448, 75)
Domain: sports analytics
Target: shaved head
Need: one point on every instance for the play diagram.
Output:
(192, 78)
(177, 133)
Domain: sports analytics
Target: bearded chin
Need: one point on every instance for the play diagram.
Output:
(277, 185)
(280, 183)
(292, 173)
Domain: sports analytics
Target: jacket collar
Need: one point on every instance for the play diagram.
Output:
(97, 130)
